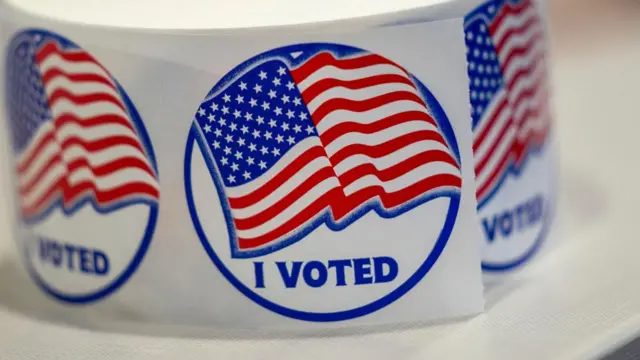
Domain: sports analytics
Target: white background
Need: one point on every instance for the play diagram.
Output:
(581, 298)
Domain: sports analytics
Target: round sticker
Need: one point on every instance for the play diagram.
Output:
(511, 127)
(323, 180)
(85, 172)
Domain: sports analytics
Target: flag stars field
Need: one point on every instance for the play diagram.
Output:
(268, 126)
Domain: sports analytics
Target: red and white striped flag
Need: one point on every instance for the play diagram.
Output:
(322, 141)
(74, 137)
(508, 72)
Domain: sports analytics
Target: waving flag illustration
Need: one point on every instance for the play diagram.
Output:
(315, 137)
(507, 70)
(73, 136)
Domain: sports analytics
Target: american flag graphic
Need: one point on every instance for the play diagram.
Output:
(72, 132)
(320, 136)
(509, 98)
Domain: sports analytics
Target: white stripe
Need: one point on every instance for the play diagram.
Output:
(379, 137)
(290, 185)
(73, 130)
(528, 81)
(80, 67)
(93, 133)
(525, 61)
(295, 208)
(512, 21)
(496, 157)
(518, 41)
(79, 87)
(101, 157)
(45, 155)
(332, 72)
(87, 110)
(390, 160)
(103, 183)
(402, 182)
(75, 152)
(359, 94)
(113, 179)
(491, 107)
(536, 124)
(288, 158)
(538, 100)
(501, 121)
(43, 185)
(368, 117)
(45, 129)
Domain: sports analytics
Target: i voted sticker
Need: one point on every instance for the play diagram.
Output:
(323, 180)
(85, 174)
(511, 125)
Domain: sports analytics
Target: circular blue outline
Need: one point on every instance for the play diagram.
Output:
(375, 305)
(109, 288)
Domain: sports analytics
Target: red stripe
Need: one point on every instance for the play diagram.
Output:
(67, 118)
(51, 48)
(509, 10)
(496, 174)
(362, 105)
(295, 222)
(60, 94)
(531, 114)
(100, 170)
(397, 170)
(346, 179)
(517, 152)
(386, 148)
(42, 143)
(529, 94)
(282, 204)
(518, 51)
(89, 145)
(327, 59)
(277, 181)
(528, 72)
(498, 110)
(53, 161)
(494, 146)
(54, 73)
(514, 31)
(325, 84)
(353, 127)
(391, 200)
(78, 191)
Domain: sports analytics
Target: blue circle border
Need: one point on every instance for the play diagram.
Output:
(342, 315)
(149, 231)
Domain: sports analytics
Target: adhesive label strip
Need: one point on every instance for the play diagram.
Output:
(274, 179)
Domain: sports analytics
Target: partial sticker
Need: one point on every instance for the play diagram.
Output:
(86, 176)
(511, 125)
(323, 180)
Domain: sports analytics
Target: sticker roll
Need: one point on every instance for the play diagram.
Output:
(267, 166)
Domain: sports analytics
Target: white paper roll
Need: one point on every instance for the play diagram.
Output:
(254, 164)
